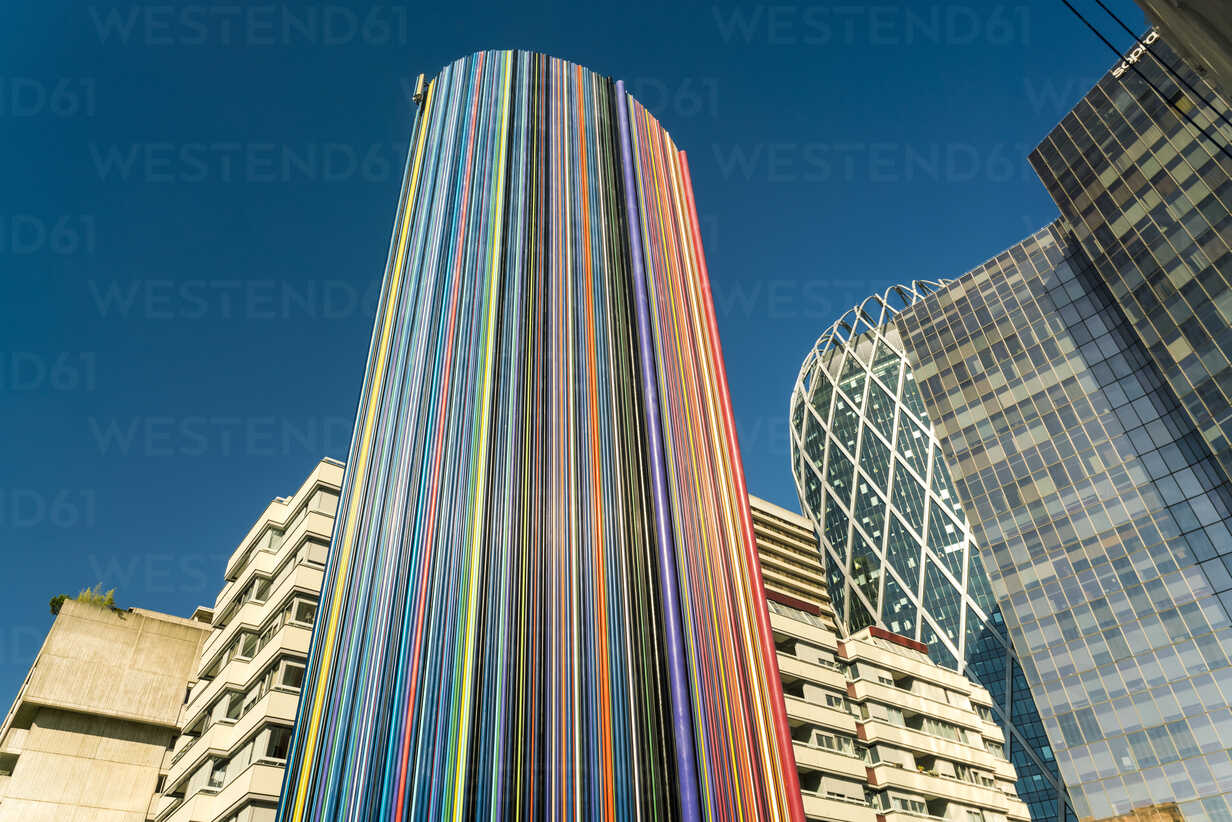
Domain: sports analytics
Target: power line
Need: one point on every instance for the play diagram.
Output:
(1146, 79)
(1216, 109)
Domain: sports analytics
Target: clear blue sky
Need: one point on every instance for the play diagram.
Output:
(197, 205)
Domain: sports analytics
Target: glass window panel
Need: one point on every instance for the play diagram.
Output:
(838, 582)
(911, 397)
(977, 582)
(946, 539)
(886, 365)
(870, 511)
(908, 497)
(860, 617)
(875, 458)
(839, 474)
(853, 378)
(937, 650)
(865, 570)
(986, 657)
(898, 609)
(942, 486)
(881, 411)
(836, 526)
(823, 390)
(912, 445)
(846, 425)
(942, 601)
(903, 553)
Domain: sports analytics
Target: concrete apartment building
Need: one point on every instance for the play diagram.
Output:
(226, 765)
(85, 738)
(881, 732)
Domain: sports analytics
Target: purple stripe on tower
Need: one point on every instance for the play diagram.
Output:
(682, 718)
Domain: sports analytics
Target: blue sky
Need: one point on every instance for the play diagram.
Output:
(197, 203)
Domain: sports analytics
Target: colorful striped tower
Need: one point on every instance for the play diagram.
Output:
(543, 599)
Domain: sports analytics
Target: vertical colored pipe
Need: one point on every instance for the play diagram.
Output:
(682, 720)
(765, 632)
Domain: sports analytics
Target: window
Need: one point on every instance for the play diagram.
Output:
(248, 644)
(280, 743)
(292, 676)
(305, 612)
(218, 773)
(834, 742)
(836, 702)
(235, 705)
(909, 805)
(942, 729)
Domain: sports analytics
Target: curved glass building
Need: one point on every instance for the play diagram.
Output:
(897, 546)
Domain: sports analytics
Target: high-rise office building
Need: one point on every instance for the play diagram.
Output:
(543, 597)
(1103, 516)
(1148, 196)
(1077, 390)
(898, 550)
(1201, 31)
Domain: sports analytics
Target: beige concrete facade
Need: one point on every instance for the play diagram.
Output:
(226, 765)
(882, 734)
(85, 738)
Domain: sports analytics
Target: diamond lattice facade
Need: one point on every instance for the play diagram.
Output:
(898, 549)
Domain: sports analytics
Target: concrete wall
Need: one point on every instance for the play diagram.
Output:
(80, 768)
(86, 736)
(127, 665)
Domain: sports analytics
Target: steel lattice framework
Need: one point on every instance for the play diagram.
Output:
(897, 547)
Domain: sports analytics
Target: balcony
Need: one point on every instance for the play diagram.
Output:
(813, 757)
(814, 714)
(802, 630)
(830, 807)
(900, 815)
(239, 673)
(879, 730)
(942, 787)
(913, 703)
(818, 672)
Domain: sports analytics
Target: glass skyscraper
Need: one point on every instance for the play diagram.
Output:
(1077, 391)
(1099, 509)
(1149, 199)
(897, 548)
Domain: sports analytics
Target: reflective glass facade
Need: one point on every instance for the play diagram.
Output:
(896, 544)
(1149, 199)
(1076, 393)
(1103, 519)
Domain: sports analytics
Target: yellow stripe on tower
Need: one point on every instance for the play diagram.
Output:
(481, 460)
(348, 532)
